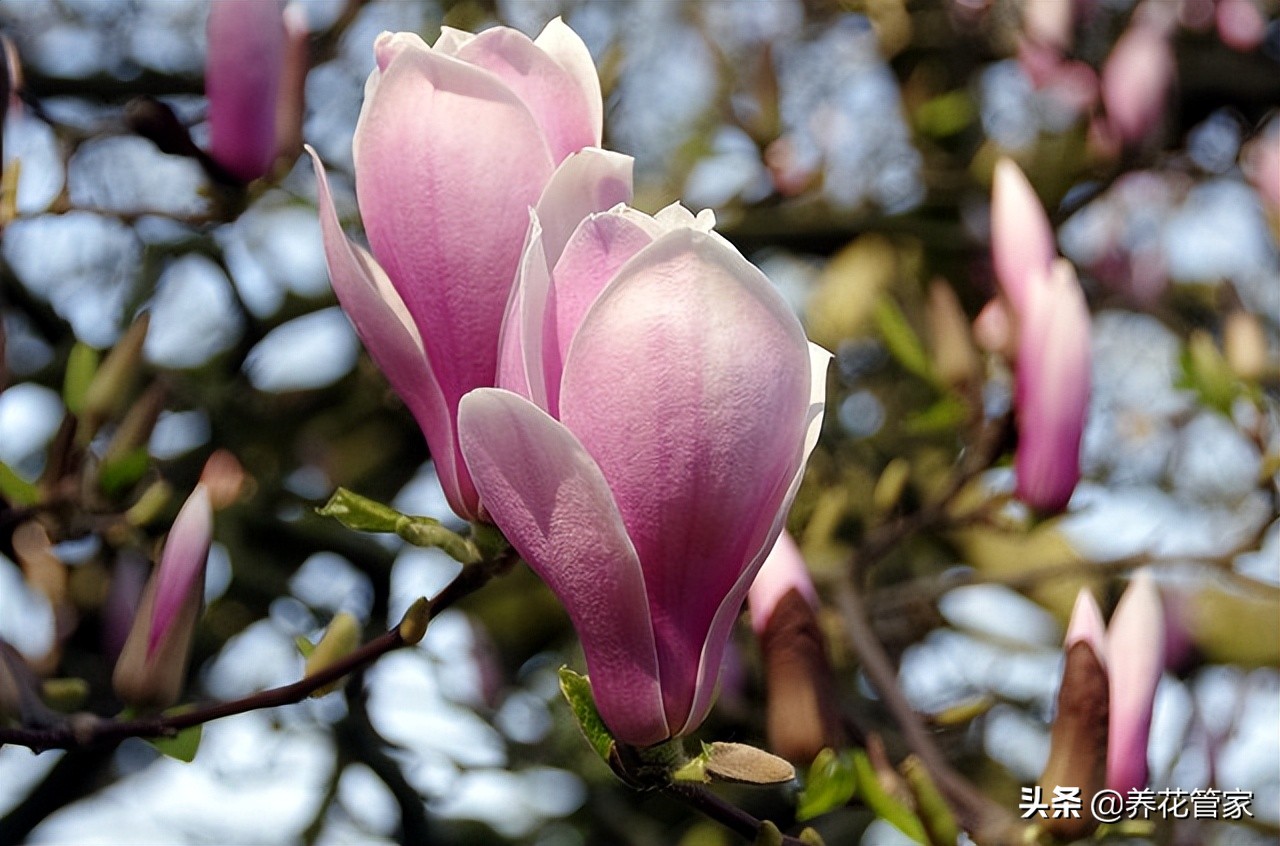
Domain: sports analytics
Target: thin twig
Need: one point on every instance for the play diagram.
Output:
(82, 731)
(727, 814)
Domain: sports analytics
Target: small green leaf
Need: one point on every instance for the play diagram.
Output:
(305, 647)
(359, 512)
(1205, 370)
(367, 515)
(810, 837)
(830, 784)
(577, 690)
(15, 489)
(882, 803)
(945, 415)
(901, 339)
(82, 363)
(183, 745)
(118, 474)
(935, 813)
(945, 115)
(768, 835)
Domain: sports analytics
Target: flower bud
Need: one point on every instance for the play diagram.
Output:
(954, 358)
(153, 663)
(1245, 345)
(242, 81)
(1078, 742)
(1136, 80)
(803, 718)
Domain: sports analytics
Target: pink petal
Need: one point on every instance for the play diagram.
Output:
(722, 623)
(1022, 246)
(448, 162)
(592, 180)
(1086, 626)
(564, 46)
(1240, 24)
(783, 571)
(688, 382)
(520, 366)
(389, 334)
(1135, 653)
(1052, 391)
(555, 97)
(182, 564)
(242, 81)
(553, 504)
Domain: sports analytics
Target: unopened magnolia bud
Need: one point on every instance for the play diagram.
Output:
(153, 663)
(954, 358)
(224, 477)
(1135, 659)
(1078, 742)
(293, 85)
(993, 329)
(1245, 343)
(803, 717)
(339, 640)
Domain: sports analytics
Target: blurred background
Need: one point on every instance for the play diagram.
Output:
(846, 147)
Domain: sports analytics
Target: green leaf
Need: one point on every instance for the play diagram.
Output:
(946, 114)
(304, 646)
(945, 415)
(902, 341)
(935, 813)
(82, 363)
(882, 803)
(183, 745)
(1205, 370)
(367, 515)
(118, 474)
(577, 690)
(15, 489)
(830, 784)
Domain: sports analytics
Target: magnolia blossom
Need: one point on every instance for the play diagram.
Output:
(657, 403)
(153, 663)
(246, 57)
(1043, 317)
(454, 144)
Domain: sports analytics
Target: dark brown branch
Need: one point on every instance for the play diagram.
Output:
(84, 731)
(727, 814)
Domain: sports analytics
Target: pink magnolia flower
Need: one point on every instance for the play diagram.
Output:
(1052, 389)
(454, 144)
(246, 57)
(657, 403)
(1135, 655)
(153, 663)
(1136, 79)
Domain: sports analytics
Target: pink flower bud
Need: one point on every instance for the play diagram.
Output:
(803, 717)
(661, 402)
(153, 663)
(1240, 24)
(1136, 656)
(1022, 247)
(1136, 79)
(454, 144)
(1052, 390)
(246, 56)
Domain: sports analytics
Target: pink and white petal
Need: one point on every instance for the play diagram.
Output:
(552, 95)
(551, 501)
(388, 45)
(689, 377)
(1135, 655)
(446, 211)
(451, 40)
(600, 246)
(1022, 245)
(783, 571)
(182, 564)
(722, 623)
(566, 48)
(520, 365)
(1086, 626)
(388, 332)
(589, 181)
